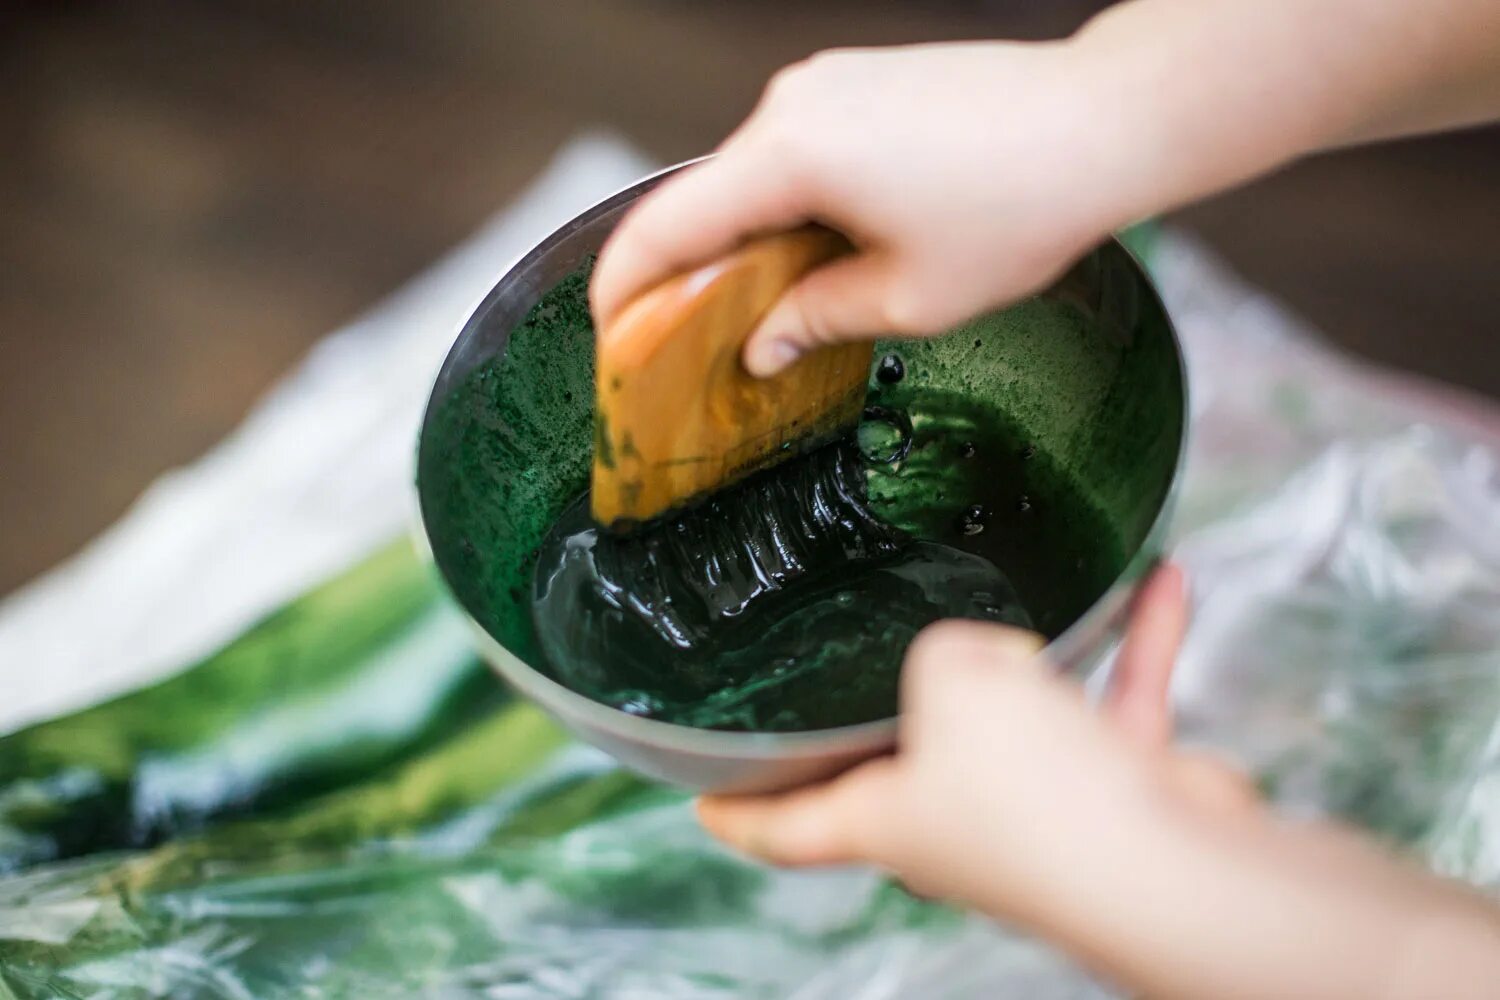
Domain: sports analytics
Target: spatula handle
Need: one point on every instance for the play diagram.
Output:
(678, 415)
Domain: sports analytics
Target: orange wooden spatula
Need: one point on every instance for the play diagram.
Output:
(678, 417)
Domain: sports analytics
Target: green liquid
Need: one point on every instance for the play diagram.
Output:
(505, 460)
(787, 601)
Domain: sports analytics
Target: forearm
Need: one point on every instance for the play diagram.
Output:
(1211, 93)
(1255, 907)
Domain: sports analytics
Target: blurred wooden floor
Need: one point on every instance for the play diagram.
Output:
(193, 192)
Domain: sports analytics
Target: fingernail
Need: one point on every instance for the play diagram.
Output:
(764, 361)
(1018, 642)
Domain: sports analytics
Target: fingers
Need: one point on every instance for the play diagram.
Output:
(1214, 785)
(845, 300)
(696, 216)
(1138, 697)
(948, 657)
(826, 824)
(859, 815)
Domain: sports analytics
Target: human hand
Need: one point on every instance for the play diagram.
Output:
(1009, 792)
(967, 175)
(1158, 867)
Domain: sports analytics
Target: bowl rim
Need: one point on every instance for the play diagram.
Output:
(572, 708)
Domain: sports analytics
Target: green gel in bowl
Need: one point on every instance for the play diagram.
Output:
(1062, 417)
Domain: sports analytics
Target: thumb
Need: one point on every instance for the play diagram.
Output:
(1139, 699)
(824, 824)
(841, 301)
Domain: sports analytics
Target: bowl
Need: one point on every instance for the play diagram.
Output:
(1091, 369)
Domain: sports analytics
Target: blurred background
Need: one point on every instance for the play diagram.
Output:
(195, 192)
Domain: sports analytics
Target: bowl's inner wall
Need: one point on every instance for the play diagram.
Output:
(1089, 370)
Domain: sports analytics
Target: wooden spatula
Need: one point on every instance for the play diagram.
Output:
(679, 417)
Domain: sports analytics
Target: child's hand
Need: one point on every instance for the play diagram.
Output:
(967, 174)
(1157, 867)
(1008, 788)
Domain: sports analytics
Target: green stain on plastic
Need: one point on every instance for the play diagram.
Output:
(299, 704)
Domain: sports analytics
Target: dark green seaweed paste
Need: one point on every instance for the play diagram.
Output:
(783, 603)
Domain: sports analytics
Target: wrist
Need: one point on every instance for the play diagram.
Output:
(1446, 927)
(1131, 141)
(1194, 99)
(1096, 904)
(1278, 908)
(1091, 858)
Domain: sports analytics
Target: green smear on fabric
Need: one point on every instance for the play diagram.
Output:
(351, 677)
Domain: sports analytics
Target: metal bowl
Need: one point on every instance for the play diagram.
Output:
(1091, 369)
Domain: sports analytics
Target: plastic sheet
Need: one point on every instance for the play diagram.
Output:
(1337, 527)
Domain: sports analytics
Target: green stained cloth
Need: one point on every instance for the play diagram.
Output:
(342, 802)
(465, 847)
(345, 681)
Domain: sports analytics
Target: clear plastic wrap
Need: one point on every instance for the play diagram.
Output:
(1338, 530)
(1339, 527)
